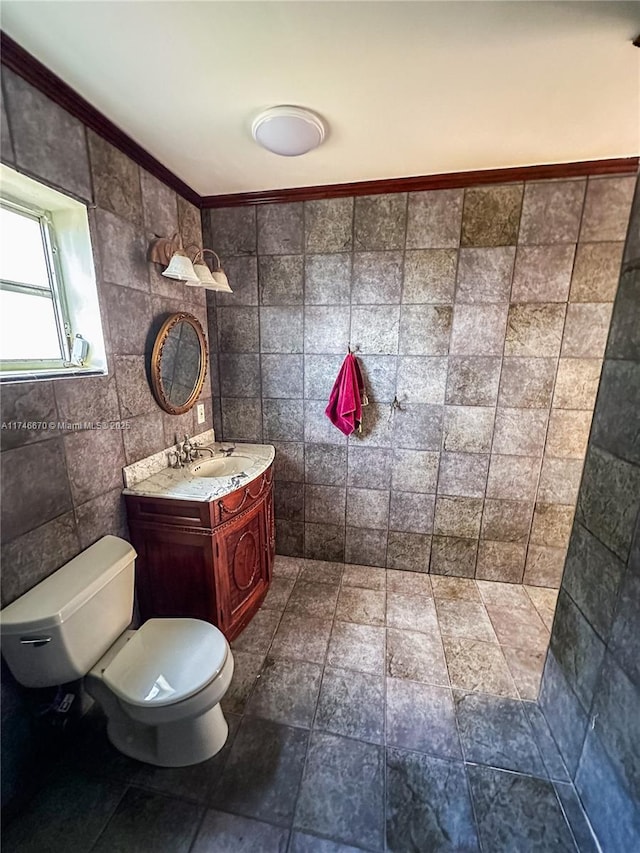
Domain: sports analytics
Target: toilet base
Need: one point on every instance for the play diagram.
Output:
(188, 732)
(178, 744)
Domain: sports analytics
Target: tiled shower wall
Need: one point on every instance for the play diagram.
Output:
(591, 685)
(61, 490)
(483, 311)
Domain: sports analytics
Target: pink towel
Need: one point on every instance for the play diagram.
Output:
(345, 403)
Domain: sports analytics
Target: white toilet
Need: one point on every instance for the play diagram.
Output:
(160, 686)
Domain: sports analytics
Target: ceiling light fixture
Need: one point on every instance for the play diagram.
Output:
(288, 131)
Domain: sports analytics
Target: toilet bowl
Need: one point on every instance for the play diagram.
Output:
(160, 686)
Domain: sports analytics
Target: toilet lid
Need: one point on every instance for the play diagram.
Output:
(166, 661)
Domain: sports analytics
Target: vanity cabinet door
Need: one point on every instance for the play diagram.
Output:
(242, 561)
(175, 574)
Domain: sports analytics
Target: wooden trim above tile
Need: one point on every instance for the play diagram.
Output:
(446, 180)
(38, 75)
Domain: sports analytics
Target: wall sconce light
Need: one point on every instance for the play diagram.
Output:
(211, 279)
(179, 266)
(169, 252)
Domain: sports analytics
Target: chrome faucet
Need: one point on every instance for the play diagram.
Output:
(208, 449)
(187, 451)
(184, 453)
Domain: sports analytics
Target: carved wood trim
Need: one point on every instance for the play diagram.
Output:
(230, 522)
(256, 562)
(162, 525)
(248, 495)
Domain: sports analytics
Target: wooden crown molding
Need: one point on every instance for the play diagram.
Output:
(447, 180)
(40, 77)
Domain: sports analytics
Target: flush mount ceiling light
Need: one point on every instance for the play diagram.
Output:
(288, 131)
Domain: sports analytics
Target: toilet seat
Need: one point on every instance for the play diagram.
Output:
(166, 661)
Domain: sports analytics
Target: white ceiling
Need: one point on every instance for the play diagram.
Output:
(407, 88)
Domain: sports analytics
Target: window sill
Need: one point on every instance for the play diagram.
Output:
(7, 377)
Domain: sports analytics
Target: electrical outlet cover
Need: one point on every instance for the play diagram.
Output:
(200, 412)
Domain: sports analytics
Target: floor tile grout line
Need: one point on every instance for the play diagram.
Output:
(315, 711)
(385, 745)
(203, 816)
(535, 738)
(460, 744)
(126, 788)
(253, 688)
(594, 837)
(266, 654)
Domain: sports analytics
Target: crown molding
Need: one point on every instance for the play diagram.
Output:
(446, 180)
(40, 77)
(22, 63)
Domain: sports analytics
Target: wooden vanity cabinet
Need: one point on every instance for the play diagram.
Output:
(207, 560)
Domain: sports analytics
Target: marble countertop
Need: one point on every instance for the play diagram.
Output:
(184, 484)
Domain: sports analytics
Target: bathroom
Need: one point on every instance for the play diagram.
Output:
(394, 689)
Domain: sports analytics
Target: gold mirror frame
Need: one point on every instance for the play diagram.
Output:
(156, 362)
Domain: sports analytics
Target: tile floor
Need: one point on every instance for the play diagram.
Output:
(370, 710)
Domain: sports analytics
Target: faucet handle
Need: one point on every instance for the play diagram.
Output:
(175, 460)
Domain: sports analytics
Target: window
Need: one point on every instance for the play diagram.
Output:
(49, 314)
(35, 329)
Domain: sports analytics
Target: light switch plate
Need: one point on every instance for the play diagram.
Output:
(200, 412)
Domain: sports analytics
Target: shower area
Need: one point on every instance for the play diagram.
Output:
(479, 317)
(438, 547)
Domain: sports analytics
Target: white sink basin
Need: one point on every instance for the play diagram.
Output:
(222, 466)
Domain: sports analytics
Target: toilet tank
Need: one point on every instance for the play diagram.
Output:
(58, 630)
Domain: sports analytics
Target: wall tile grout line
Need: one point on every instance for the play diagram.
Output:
(304, 377)
(393, 412)
(350, 342)
(495, 410)
(553, 385)
(446, 382)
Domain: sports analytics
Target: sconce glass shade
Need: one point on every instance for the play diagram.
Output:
(212, 280)
(181, 269)
(205, 279)
(221, 280)
(288, 131)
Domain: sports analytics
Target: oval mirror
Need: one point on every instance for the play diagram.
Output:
(178, 363)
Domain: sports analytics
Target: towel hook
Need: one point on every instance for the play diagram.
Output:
(393, 408)
(351, 349)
